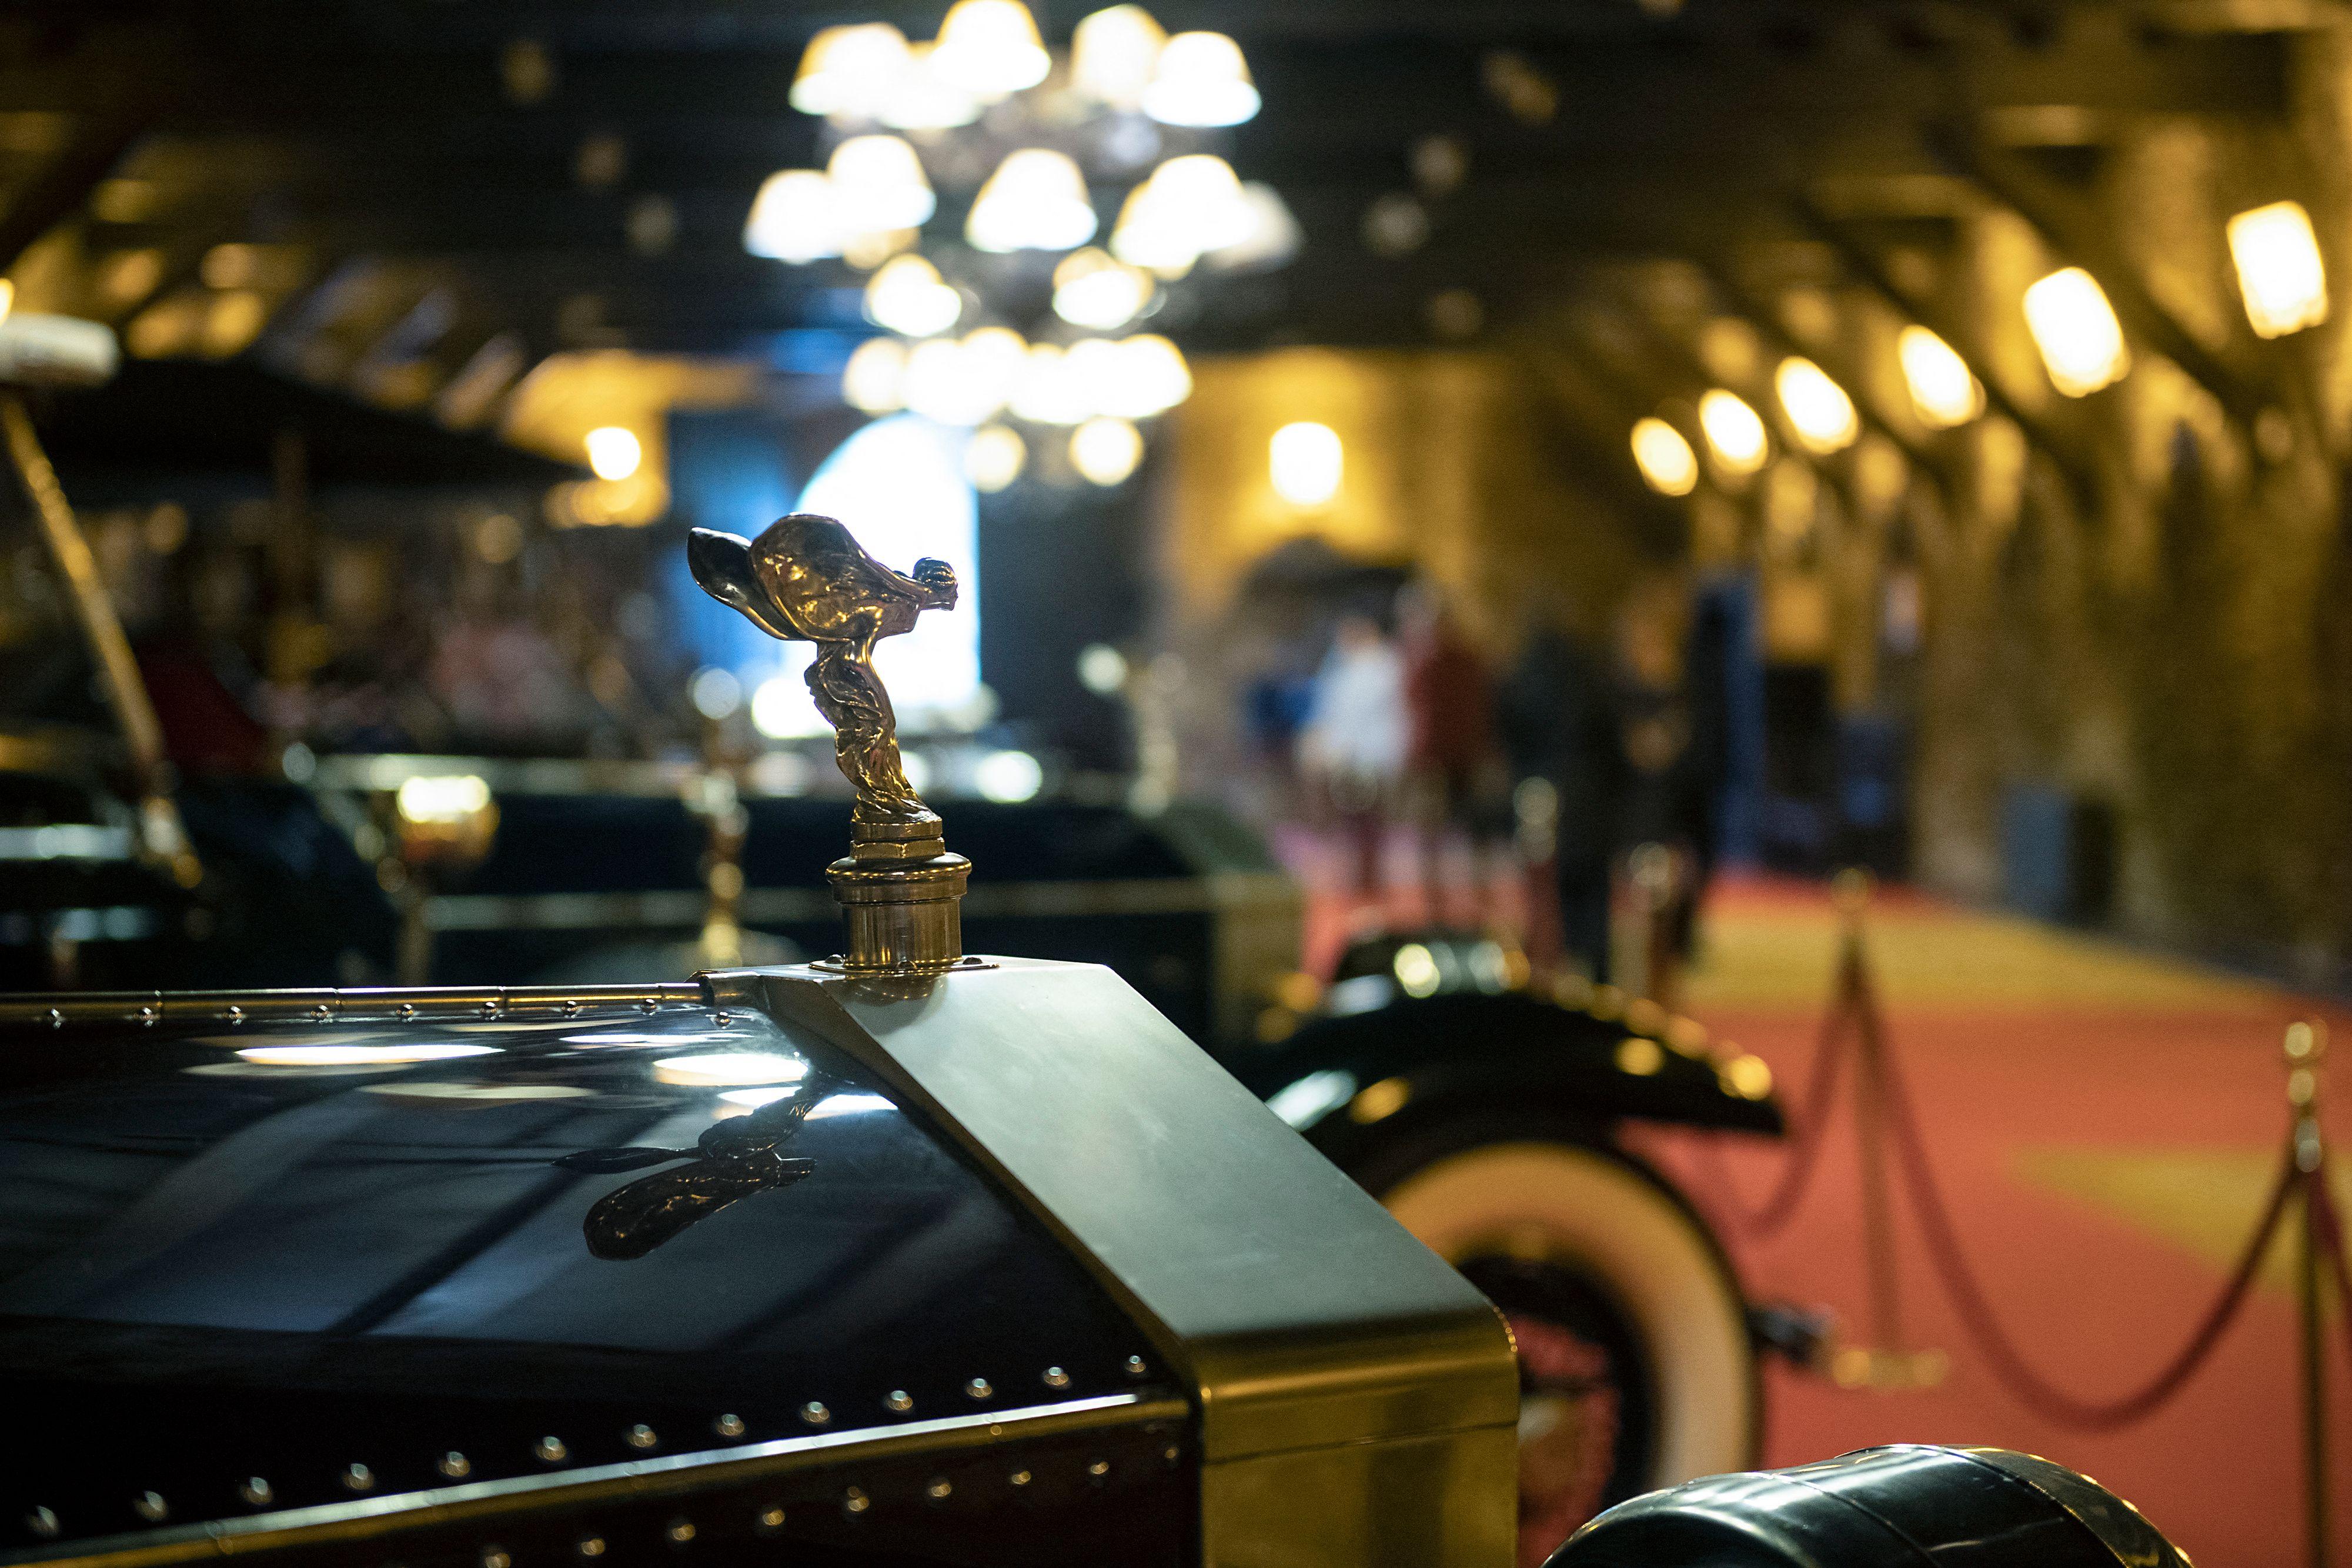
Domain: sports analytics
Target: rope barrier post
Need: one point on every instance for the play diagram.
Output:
(1850, 893)
(2307, 1049)
(1889, 1365)
(1651, 870)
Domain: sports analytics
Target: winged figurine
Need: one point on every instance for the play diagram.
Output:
(807, 579)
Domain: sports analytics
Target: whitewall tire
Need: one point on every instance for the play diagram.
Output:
(1579, 1211)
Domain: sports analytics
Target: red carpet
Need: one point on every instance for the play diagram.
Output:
(2106, 1125)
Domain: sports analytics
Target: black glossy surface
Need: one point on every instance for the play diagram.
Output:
(1907, 1506)
(1469, 1053)
(212, 1268)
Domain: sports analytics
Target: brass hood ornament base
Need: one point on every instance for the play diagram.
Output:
(806, 579)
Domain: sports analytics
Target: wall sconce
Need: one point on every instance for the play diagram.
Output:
(2082, 342)
(1306, 462)
(1735, 432)
(1944, 391)
(1668, 465)
(1816, 406)
(2280, 274)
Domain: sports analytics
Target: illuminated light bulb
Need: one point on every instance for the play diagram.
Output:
(2280, 275)
(958, 383)
(614, 453)
(1050, 390)
(1037, 200)
(879, 183)
(1114, 54)
(1944, 391)
(1152, 376)
(995, 457)
(874, 379)
(849, 71)
(991, 49)
(1096, 368)
(721, 1069)
(1735, 433)
(905, 295)
(1141, 238)
(992, 359)
(795, 218)
(1816, 406)
(935, 385)
(1092, 289)
(2082, 342)
(7, 297)
(1105, 450)
(1201, 80)
(1190, 205)
(1668, 465)
(921, 99)
(1201, 193)
(1305, 463)
(1274, 238)
(441, 797)
(1008, 777)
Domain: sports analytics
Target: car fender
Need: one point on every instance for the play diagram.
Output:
(1350, 1079)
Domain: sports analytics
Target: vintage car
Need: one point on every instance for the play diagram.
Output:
(986, 1266)
(1487, 1112)
(900, 1256)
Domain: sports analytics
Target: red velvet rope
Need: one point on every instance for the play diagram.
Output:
(1854, 1017)
(1976, 1312)
(1807, 1136)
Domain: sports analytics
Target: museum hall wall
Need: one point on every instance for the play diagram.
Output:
(2132, 603)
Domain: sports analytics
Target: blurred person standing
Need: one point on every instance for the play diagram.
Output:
(1449, 737)
(1352, 747)
(1561, 724)
(1677, 751)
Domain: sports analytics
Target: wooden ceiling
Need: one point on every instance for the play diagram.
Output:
(419, 184)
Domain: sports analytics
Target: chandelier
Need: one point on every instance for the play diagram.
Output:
(969, 178)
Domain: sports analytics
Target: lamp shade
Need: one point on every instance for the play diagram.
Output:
(1115, 54)
(1201, 80)
(878, 184)
(2082, 342)
(906, 295)
(849, 71)
(2280, 275)
(991, 49)
(1092, 288)
(1734, 431)
(1037, 200)
(794, 217)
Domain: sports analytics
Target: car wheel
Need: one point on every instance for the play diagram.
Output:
(1635, 1365)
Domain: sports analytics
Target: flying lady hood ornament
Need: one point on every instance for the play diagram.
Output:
(807, 580)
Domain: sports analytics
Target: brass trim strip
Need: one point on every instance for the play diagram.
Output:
(633, 1479)
(401, 1004)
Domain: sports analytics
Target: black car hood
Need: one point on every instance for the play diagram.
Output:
(283, 1250)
